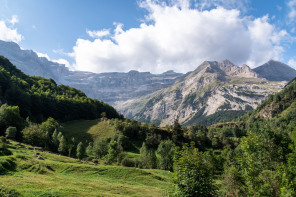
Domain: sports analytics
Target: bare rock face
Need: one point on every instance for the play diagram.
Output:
(245, 71)
(108, 87)
(213, 88)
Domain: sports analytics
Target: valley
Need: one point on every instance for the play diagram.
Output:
(147, 98)
(82, 146)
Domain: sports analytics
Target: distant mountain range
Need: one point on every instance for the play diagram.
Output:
(215, 91)
(108, 87)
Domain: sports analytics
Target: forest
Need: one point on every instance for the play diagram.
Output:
(253, 155)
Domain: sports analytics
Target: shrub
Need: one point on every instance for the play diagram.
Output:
(6, 192)
(11, 132)
(128, 162)
(193, 173)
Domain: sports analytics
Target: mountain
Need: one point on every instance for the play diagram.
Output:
(276, 71)
(108, 87)
(40, 98)
(213, 92)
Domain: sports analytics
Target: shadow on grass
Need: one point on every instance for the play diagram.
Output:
(7, 164)
(79, 129)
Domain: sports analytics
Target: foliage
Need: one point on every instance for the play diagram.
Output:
(89, 149)
(177, 132)
(166, 151)
(10, 116)
(63, 146)
(11, 132)
(148, 157)
(6, 192)
(80, 151)
(34, 135)
(113, 151)
(41, 98)
(50, 125)
(193, 173)
(100, 148)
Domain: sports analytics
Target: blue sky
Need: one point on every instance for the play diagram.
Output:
(149, 35)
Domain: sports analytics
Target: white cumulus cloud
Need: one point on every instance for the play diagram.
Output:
(98, 34)
(8, 32)
(42, 55)
(63, 61)
(292, 10)
(14, 19)
(178, 37)
(60, 61)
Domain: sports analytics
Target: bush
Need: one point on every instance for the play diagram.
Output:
(11, 132)
(33, 135)
(3, 145)
(193, 173)
(128, 162)
(6, 192)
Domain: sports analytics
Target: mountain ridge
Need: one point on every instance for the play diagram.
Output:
(214, 86)
(108, 87)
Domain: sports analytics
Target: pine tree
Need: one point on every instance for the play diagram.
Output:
(11, 132)
(89, 150)
(63, 146)
(80, 151)
(55, 140)
(177, 132)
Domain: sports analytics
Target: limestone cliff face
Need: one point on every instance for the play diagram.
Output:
(213, 87)
(108, 87)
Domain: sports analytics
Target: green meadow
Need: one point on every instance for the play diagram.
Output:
(32, 172)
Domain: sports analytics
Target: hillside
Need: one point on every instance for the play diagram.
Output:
(215, 91)
(30, 172)
(40, 98)
(88, 130)
(279, 109)
(108, 87)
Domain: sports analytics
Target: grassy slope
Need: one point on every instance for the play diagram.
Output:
(86, 130)
(64, 176)
(89, 130)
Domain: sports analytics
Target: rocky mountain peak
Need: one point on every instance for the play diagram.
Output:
(212, 89)
(244, 71)
(227, 68)
(275, 71)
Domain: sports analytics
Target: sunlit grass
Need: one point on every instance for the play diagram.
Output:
(86, 130)
(63, 176)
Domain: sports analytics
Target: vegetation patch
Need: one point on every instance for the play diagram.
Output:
(88, 130)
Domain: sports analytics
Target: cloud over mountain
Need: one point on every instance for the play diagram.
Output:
(180, 36)
(7, 30)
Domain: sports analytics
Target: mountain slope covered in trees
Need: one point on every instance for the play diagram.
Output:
(40, 98)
